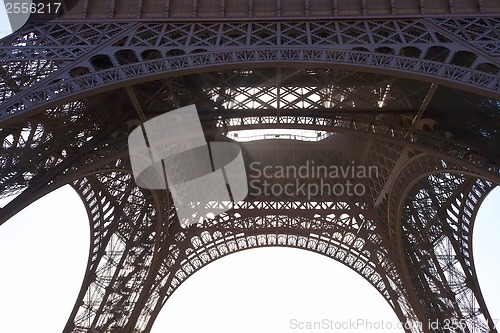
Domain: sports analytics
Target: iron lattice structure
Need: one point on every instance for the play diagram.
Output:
(409, 86)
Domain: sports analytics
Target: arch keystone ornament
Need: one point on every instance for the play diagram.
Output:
(162, 115)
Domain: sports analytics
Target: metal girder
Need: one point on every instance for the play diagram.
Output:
(411, 48)
(438, 249)
(206, 10)
(17, 175)
(423, 107)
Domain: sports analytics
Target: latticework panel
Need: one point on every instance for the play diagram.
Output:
(127, 52)
(436, 225)
(207, 9)
(122, 245)
(124, 242)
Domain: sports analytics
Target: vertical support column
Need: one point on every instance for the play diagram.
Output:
(436, 260)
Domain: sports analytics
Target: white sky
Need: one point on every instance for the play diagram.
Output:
(43, 254)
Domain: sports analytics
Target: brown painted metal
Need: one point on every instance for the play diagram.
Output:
(411, 87)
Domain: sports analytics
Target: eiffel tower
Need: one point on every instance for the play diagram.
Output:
(410, 87)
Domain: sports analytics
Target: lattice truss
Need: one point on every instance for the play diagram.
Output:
(126, 249)
(371, 91)
(437, 223)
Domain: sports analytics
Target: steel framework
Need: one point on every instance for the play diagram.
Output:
(409, 86)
